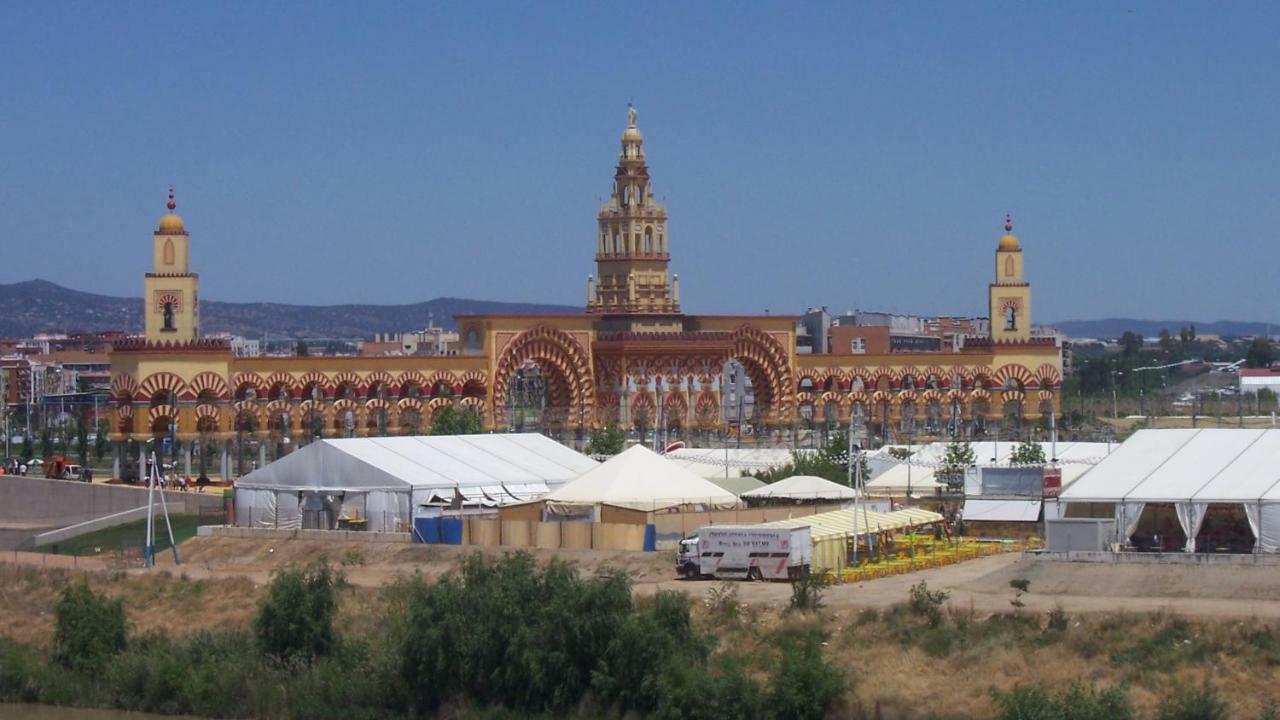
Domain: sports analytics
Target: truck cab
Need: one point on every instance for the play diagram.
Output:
(687, 558)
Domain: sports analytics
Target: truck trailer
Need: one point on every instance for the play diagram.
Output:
(747, 552)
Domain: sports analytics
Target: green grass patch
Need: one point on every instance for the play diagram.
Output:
(131, 535)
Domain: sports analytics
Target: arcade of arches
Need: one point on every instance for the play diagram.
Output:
(631, 357)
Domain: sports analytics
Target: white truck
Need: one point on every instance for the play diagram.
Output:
(750, 552)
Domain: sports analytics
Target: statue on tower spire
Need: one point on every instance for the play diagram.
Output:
(631, 115)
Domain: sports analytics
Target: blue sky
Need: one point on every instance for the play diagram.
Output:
(851, 154)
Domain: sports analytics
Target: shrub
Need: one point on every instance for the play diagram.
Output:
(722, 601)
(506, 632)
(923, 601)
(1077, 702)
(295, 618)
(630, 672)
(1058, 620)
(692, 691)
(1200, 703)
(89, 628)
(804, 685)
(806, 592)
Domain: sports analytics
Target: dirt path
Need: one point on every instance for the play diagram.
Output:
(981, 585)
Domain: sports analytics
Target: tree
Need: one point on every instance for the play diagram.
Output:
(1028, 453)
(449, 420)
(1187, 335)
(295, 618)
(1170, 351)
(960, 456)
(89, 628)
(300, 349)
(1261, 353)
(606, 441)
(1266, 400)
(46, 443)
(100, 440)
(82, 443)
(27, 450)
(830, 462)
(1130, 343)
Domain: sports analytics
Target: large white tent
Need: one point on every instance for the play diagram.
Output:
(640, 479)
(383, 480)
(729, 462)
(1190, 469)
(919, 473)
(803, 487)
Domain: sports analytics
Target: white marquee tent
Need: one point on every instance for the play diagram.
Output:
(803, 487)
(640, 479)
(713, 462)
(1190, 469)
(383, 480)
(1074, 459)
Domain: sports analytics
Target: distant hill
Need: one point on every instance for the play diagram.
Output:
(1115, 327)
(36, 306)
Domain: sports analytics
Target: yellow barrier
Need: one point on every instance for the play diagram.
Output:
(920, 555)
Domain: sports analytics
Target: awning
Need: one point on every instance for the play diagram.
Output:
(1001, 510)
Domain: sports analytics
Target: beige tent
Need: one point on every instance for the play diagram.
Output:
(803, 487)
(640, 479)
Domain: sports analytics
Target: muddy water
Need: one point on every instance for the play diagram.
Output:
(48, 712)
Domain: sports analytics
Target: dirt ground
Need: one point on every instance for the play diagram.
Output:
(981, 585)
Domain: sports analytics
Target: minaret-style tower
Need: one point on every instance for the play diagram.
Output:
(171, 296)
(631, 248)
(1010, 299)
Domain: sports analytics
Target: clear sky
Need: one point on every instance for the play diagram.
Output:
(857, 155)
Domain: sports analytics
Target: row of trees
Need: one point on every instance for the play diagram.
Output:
(75, 443)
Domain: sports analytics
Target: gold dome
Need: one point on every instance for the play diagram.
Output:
(1008, 243)
(632, 133)
(171, 225)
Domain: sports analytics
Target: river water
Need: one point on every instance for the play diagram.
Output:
(49, 712)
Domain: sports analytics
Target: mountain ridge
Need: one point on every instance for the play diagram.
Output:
(1115, 327)
(33, 306)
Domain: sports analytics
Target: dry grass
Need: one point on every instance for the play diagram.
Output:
(894, 661)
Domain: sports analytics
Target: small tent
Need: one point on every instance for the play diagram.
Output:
(640, 479)
(803, 487)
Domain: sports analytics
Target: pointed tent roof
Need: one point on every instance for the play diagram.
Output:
(643, 480)
(803, 487)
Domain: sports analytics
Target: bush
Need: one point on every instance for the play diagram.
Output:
(722, 601)
(691, 691)
(806, 592)
(89, 628)
(1193, 704)
(295, 619)
(923, 601)
(630, 674)
(1077, 702)
(506, 632)
(1058, 620)
(804, 685)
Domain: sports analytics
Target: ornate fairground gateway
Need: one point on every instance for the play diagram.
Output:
(631, 357)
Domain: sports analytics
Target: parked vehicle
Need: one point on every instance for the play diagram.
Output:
(57, 468)
(748, 552)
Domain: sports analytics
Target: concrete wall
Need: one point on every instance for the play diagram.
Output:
(31, 505)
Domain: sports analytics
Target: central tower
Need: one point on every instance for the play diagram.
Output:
(633, 292)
